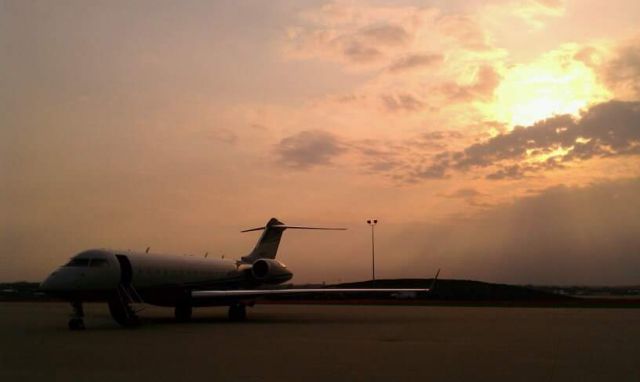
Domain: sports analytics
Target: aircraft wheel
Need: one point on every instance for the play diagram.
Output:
(76, 324)
(183, 312)
(237, 312)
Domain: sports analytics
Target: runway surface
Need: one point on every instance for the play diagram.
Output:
(313, 343)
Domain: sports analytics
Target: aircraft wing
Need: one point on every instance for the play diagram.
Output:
(258, 293)
(253, 294)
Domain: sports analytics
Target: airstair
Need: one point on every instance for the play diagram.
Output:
(129, 296)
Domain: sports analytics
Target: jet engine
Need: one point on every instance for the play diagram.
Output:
(270, 271)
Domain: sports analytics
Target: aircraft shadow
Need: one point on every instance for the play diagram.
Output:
(104, 322)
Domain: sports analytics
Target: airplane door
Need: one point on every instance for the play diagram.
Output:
(126, 272)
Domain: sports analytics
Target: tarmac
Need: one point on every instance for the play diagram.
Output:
(323, 343)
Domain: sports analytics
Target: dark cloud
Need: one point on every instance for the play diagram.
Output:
(373, 156)
(360, 53)
(464, 193)
(514, 171)
(351, 98)
(622, 73)
(441, 134)
(309, 148)
(609, 129)
(387, 34)
(415, 61)
(371, 43)
(436, 170)
(401, 102)
(395, 158)
(377, 156)
(562, 235)
(606, 130)
(433, 140)
(544, 136)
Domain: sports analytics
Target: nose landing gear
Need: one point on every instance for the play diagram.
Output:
(76, 322)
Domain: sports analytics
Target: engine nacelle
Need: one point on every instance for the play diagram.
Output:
(270, 271)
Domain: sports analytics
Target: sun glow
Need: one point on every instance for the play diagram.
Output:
(555, 84)
(558, 152)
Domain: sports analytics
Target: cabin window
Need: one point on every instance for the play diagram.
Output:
(78, 263)
(99, 262)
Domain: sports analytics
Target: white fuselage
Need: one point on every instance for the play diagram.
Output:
(95, 274)
(157, 270)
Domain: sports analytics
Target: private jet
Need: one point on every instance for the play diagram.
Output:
(124, 279)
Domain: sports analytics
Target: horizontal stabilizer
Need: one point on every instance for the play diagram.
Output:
(254, 229)
(284, 226)
(267, 245)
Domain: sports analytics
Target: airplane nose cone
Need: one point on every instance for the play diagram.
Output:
(51, 283)
(46, 284)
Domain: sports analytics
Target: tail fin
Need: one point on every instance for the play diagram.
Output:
(267, 246)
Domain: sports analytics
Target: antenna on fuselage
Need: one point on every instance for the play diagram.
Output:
(147, 250)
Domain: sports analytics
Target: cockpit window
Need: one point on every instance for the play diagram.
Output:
(98, 262)
(78, 263)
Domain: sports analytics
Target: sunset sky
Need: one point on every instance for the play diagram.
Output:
(498, 140)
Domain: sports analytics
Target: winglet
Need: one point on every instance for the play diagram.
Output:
(435, 278)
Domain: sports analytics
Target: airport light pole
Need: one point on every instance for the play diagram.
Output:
(373, 223)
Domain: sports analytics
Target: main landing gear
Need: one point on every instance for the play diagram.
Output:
(237, 312)
(76, 322)
(183, 312)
